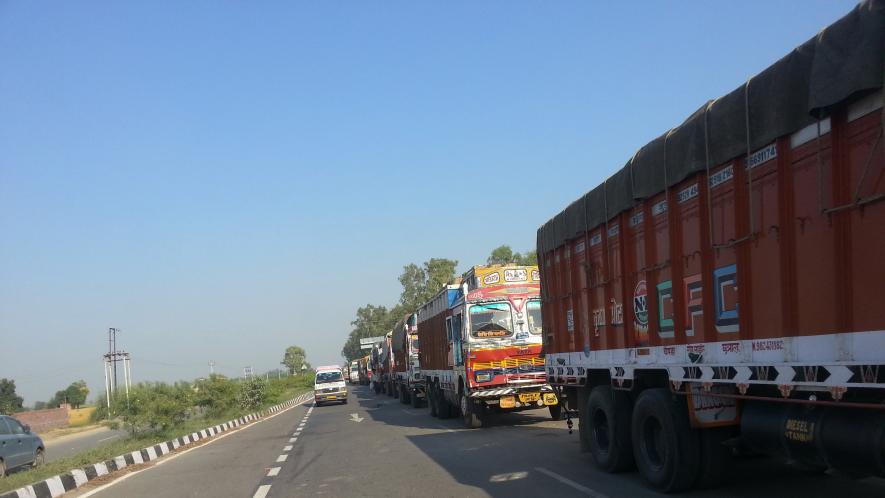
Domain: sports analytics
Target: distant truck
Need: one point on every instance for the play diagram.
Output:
(354, 374)
(365, 374)
(481, 343)
(408, 382)
(724, 290)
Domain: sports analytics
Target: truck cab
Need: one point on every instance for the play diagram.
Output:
(329, 385)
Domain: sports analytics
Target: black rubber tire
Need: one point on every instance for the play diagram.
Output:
(39, 458)
(403, 396)
(344, 402)
(471, 414)
(555, 411)
(2, 469)
(416, 401)
(432, 401)
(715, 456)
(445, 409)
(665, 448)
(377, 387)
(607, 417)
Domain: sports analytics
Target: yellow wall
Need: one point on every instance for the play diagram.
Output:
(80, 416)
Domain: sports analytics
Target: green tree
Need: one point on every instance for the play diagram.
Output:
(420, 283)
(294, 358)
(371, 321)
(504, 255)
(10, 402)
(75, 395)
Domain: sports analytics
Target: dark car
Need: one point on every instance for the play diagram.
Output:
(18, 446)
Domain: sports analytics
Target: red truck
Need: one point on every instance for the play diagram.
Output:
(408, 383)
(481, 343)
(724, 290)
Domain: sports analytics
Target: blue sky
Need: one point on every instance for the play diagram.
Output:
(223, 179)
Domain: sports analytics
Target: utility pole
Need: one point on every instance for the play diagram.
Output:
(211, 368)
(110, 368)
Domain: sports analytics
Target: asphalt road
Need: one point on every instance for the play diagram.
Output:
(376, 447)
(75, 443)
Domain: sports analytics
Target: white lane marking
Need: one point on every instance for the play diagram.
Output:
(108, 438)
(568, 482)
(282, 458)
(262, 491)
(301, 424)
(288, 447)
(293, 439)
(275, 471)
(355, 417)
(176, 455)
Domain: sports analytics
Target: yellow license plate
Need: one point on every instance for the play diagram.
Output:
(529, 397)
(333, 397)
(550, 399)
(508, 402)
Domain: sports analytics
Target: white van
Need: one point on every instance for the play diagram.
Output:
(329, 385)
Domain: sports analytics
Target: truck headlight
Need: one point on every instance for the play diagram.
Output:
(483, 377)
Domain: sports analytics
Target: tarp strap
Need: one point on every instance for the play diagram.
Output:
(707, 164)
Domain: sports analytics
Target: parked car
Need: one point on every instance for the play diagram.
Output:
(18, 446)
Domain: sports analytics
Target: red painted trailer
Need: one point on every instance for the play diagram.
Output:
(727, 286)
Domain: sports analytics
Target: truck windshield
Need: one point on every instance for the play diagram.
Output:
(415, 343)
(491, 320)
(323, 377)
(534, 313)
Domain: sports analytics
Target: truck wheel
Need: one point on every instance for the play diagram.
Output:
(470, 413)
(416, 401)
(444, 408)
(555, 411)
(403, 395)
(608, 429)
(431, 401)
(715, 456)
(665, 447)
(377, 387)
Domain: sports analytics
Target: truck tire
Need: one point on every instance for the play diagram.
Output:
(607, 416)
(555, 411)
(377, 386)
(471, 414)
(666, 449)
(715, 456)
(416, 401)
(444, 408)
(431, 400)
(403, 395)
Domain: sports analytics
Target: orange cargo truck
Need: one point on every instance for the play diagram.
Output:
(724, 289)
(481, 343)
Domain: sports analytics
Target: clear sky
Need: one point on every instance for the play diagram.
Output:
(223, 179)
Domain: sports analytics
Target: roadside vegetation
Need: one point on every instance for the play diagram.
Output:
(158, 412)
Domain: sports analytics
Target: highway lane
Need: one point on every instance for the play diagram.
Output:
(72, 444)
(229, 465)
(395, 450)
(376, 447)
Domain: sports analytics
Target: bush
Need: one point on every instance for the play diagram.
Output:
(252, 393)
(216, 395)
(154, 407)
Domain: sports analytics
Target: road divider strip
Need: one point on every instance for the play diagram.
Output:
(58, 485)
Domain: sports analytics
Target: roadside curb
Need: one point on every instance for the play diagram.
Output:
(61, 484)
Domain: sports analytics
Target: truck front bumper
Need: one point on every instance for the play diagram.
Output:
(512, 397)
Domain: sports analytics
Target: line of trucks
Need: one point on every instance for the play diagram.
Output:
(721, 294)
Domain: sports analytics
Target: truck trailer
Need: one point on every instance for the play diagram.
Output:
(409, 384)
(481, 343)
(724, 291)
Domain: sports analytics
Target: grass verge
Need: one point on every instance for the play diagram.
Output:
(107, 451)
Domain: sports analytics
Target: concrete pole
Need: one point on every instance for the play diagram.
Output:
(107, 386)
